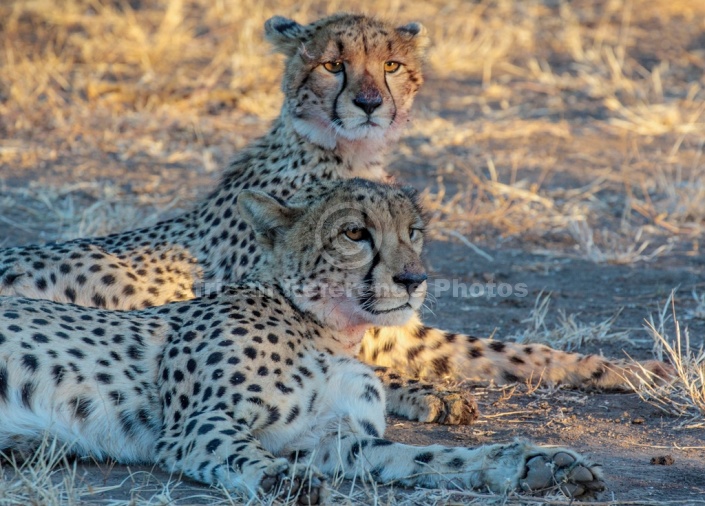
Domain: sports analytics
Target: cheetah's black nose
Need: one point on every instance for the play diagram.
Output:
(410, 279)
(369, 101)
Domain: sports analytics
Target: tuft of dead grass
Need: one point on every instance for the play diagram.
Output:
(615, 248)
(568, 333)
(82, 209)
(92, 87)
(684, 395)
(47, 478)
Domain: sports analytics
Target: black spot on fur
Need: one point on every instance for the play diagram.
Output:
(250, 352)
(30, 362)
(213, 445)
(70, 294)
(598, 373)
(82, 407)
(76, 353)
(58, 371)
(369, 428)
(293, 414)
(497, 346)
(214, 358)
(509, 377)
(4, 385)
(424, 458)
(441, 365)
(237, 378)
(104, 378)
(27, 392)
(456, 463)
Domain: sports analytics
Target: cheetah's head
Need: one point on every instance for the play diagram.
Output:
(349, 78)
(348, 252)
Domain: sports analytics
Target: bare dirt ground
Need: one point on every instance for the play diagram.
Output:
(558, 145)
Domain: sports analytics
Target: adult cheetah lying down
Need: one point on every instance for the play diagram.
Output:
(230, 389)
(349, 85)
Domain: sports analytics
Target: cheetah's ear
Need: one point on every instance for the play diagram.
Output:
(286, 35)
(265, 214)
(417, 33)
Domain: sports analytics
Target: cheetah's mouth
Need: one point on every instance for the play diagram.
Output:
(387, 311)
(358, 128)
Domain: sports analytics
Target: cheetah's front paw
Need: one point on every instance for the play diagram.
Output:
(423, 402)
(303, 484)
(450, 408)
(564, 469)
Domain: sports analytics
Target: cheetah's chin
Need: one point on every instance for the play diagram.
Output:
(327, 134)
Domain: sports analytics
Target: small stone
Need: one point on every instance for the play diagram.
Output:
(663, 460)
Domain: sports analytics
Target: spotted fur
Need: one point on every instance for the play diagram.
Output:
(233, 388)
(333, 125)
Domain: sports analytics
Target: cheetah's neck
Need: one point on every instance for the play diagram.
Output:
(279, 163)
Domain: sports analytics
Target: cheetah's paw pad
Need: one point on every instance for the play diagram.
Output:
(562, 469)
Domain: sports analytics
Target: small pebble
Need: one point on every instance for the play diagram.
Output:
(663, 460)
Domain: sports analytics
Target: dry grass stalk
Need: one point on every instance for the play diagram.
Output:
(698, 312)
(157, 82)
(615, 248)
(684, 395)
(568, 333)
(45, 478)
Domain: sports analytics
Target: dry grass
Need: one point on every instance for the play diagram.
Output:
(684, 396)
(568, 333)
(698, 312)
(93, 87)
(616, 248)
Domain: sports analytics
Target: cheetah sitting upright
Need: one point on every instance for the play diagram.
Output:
(349, 84)
(233, 388)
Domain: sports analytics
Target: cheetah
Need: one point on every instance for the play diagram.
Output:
(257, 388)
(349, 84)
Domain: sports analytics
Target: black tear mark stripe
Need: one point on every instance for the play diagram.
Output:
(368, 293)
(394, 103)
(336, 118)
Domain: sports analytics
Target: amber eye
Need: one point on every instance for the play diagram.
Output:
(333, 66)
(391, 66)
(356, 234)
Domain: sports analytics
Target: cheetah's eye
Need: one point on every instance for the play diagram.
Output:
(333, 66)
(357, 234)
(391, 66)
